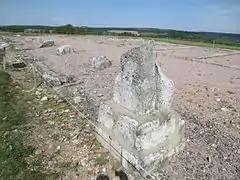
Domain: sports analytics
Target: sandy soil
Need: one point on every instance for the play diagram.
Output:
(207, 96)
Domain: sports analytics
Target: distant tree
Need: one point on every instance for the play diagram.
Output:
(67, 29)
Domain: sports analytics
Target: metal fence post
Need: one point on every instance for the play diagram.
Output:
(4, 58)
(3, 53)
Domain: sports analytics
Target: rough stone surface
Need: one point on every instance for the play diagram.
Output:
(65, 49)
(145, 140)
(54, 79)
(138, 126)
(141, 86)
(101, 62)
(47, 43)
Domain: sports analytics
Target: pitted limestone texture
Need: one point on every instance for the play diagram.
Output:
(141, 86)
(138, 125)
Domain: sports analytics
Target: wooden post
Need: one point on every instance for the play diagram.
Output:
(214, 41)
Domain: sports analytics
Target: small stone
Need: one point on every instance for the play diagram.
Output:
(60, 101)
(38, 93)
(45, 98)
(47, 43)
(75, 137)
(51, 122)
(218, 99)
(77, 99)
(101, 62)
(67, 111)
(65, 49)
(38, 151)
(224, 109)
(58, 148)
(104, 170)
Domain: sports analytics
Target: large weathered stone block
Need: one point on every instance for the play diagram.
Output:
(141, 86)
(138, 126)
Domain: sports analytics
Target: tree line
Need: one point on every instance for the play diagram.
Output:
(218, 38)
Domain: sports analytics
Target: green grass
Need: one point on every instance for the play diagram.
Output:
(101, 160)
(14, 149)
(192, 43)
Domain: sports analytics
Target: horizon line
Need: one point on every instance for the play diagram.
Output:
(126, 27)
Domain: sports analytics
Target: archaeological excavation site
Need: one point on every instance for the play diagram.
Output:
(161, 111)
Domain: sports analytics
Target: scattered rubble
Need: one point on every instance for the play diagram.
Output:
(101, 62)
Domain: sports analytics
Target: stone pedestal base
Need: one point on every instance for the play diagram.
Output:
(139, 140)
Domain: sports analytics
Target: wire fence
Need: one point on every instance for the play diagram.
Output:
(139, 169)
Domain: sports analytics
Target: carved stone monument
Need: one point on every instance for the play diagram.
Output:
(138, 125)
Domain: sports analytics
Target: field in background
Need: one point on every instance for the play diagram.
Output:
(193, 43)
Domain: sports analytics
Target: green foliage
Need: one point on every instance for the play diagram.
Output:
(206, 37)
(67, 29)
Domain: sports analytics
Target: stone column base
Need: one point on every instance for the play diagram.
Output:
(142, 141)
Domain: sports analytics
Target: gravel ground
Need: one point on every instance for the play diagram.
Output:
(207, 96)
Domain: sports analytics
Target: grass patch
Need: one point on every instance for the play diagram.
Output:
(101, 160)
(14, 149)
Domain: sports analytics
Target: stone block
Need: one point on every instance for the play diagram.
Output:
(65, 49)
(141, 86)
(144, 139)
(138, 125)
(47, 43)
(101, 62)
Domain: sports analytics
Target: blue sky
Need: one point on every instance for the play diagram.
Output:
(193, 15)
